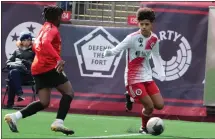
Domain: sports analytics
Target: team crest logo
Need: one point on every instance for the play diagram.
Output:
(138, 92)
(140, 40)
(13, 36)
(89, 51)
(178, 64)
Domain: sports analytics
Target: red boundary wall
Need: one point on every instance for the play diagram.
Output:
(94, 107)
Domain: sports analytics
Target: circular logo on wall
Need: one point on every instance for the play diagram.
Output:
(14, 35)
(177, 66)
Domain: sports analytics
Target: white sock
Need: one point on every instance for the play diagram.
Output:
(18, 115)
(59, 121)
(131, 99)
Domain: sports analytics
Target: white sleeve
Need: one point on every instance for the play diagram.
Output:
(125, 44)
(157, 60)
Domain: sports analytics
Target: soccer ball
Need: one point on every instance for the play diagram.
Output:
(155, 126)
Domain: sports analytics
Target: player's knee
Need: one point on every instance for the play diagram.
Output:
(45, 103)
(148, 109)
(159, 106)
(71, 94)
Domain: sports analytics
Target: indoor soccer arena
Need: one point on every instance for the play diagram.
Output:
(107, 69)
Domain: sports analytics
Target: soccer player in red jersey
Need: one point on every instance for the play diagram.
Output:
(140, 46)
(47, 69)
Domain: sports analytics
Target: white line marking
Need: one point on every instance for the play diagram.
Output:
(104, 117)
(109, 136)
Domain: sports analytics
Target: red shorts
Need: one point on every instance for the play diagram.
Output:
(140, 90)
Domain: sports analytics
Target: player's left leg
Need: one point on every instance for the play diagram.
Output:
(155, 95)
(157, 101)
(67, 96)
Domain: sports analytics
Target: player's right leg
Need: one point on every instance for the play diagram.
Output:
(138, 92)
(31, 109)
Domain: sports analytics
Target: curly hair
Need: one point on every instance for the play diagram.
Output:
(52, 12)
(145, 13)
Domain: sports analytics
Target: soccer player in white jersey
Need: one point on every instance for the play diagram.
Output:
(140, 46)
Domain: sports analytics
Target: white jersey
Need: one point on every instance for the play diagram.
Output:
(138, 52)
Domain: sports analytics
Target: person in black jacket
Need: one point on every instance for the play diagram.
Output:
(19, 65)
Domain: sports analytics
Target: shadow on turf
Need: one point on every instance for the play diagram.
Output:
(132, 130)
(135, 130)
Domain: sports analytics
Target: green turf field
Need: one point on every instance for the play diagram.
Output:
(87, 126)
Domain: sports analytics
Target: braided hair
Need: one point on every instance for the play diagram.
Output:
(52, 12)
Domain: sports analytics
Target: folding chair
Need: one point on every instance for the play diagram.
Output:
(27, 83)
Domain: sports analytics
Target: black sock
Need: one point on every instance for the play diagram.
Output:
(64, 106)
(31, 109)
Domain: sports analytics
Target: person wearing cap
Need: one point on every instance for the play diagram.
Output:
(19, 66)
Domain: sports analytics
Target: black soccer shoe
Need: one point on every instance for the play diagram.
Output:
(128, 103)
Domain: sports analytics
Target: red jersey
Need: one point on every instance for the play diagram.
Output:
(47, 48)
